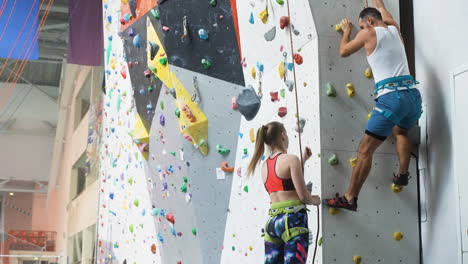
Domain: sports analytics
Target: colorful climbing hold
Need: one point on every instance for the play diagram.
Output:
(177, 112)
(260, 66)
(274, 96)
(252, 135)
(206, 63)
(248, 103)
(353, 162)
(330, 90)
(155, 13)
(333, 160)
(166, 28)
(194, 231)
(398, 236)
(170, 218)
(284, 22)
(283, 93)
(368, 73)
(282, 111)
(351, 90)
(137, 41)
(154, 48)
(338, 27)
(221, 150)
(162, 120)
(302, 122)
(298, 59)
(136, 203)
(153, 248)
(397, 188)
(246, 188)
(251, 19)
(131, 228)
(281, 70)
(280, 2)
(264, 16)
(357, 259)
(163, 61)
(234, 103)
(253, 72)
(203, 34)
(333, 211)
(213, 3)
(225, 167)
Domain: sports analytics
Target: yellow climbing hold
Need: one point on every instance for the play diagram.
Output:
(369, 115)
(398, 236)
(124, 2)
(333, 211)
(357, 259)
(338, 27)
(368, 73)
(281, 70)
(253, 72)
(252, 135)
(397, 188)
(351, 90)
(264, 16)
(140, 136)
(353, 162)
(250, 248)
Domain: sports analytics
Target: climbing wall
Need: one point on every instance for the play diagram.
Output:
(249, 202)
(369, 232)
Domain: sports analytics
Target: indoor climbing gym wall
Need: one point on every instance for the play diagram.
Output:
(187, 85)
(385, 228)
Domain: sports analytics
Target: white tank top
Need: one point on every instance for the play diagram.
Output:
(389, 57)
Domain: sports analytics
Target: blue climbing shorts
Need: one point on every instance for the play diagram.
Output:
(399, 108)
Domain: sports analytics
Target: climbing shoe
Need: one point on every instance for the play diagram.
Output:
(341, 202)
(401, 179)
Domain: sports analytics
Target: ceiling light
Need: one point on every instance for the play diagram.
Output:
(11, 194)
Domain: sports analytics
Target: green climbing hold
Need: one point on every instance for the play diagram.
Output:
(185, 179)
(233, 248)
(213, 3)
(136, 203)
(194, 231)
(183, 188)
(320, 241)
(245, 151)
(131, 228)
(333, 160)
(283, 93)
(124, 94)
(221, 150)
(177, 112)
(150, 89)
(281, 2)
(130, 181)
(155, 13)
(163, 61)
(246, 189)
(173, 153)
(202, 142)
(206, 64)
(161, 104)
(153, 68)
(155, 212)
(331, 90)
(119, 102)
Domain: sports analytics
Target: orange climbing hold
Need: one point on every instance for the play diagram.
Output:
(225, 167)
(188, 114)
(298, 58)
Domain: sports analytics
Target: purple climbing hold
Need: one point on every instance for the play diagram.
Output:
(164, 186)
(162, 120)
(131, 32)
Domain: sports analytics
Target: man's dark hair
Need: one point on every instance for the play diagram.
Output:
(370, 12)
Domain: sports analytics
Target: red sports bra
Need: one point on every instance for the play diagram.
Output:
(273, 182)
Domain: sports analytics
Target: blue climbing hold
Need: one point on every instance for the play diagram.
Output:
(203, 34)
(137, 41)
(251, 20)
(260, 66)
(289, 65)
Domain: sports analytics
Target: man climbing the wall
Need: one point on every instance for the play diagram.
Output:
(398, 102)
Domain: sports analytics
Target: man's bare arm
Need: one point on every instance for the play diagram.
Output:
(386, 16)
(348, 46)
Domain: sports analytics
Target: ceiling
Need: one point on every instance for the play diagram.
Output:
(31, 112)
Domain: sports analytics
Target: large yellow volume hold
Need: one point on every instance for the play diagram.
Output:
(252, 135)
(281, 70)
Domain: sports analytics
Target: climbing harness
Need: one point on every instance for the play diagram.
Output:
(286, 207)
(400, 83)
(196, 91)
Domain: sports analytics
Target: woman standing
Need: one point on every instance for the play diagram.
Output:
(286, 232)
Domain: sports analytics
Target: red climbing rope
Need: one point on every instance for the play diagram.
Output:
(299, 124)
(2, 8)
(8, 20)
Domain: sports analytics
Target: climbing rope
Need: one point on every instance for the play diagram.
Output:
(299, 124)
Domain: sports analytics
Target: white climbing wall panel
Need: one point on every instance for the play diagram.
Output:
(249, 210)
(369, 232)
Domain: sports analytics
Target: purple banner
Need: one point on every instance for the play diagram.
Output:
(85, 45)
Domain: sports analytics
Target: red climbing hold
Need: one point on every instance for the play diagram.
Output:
(282, 111)
(153, 248)
(122, 21)
(147, 73)
(123, 72)
(274, 96)
(284, 22)
(130, 64)
(170, 218)
(298, 58)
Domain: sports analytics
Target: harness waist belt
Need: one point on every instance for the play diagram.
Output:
(396, 83)
(286, 207)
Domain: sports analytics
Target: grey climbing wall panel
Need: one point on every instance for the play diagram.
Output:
(369, 232)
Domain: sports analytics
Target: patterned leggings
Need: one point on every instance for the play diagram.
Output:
(295, 250)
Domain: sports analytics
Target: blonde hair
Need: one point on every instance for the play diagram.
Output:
(269, 135)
